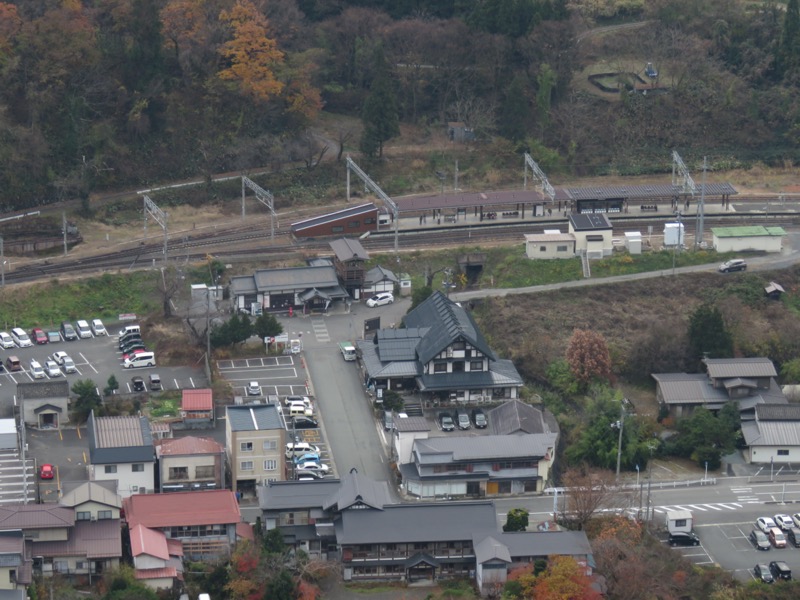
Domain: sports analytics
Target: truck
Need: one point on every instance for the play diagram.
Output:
(348, 351)
(679, 521)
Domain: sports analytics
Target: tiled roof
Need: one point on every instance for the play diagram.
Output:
(39, 390)
(295, 278)
(93, 539)
(197, 400)
(182, 509)
(12, 542)
(439, 450)
(515, 416)
(747, 231)
(280, 495)
(258, 417)
(403, 424)
(244, 531)
(243, 285)
(490, 549)
(348, 249)
(160, 573)
(375, 368)
(187, 446)
(399, 344)
(91, 492)
(355, 488)
(523, 544)
(721, 368)
(35, 516)
(501, 373)
(378, 274)
(771, 433)
(149, 541)
(695, 388)
(175, 547)
(778, 412)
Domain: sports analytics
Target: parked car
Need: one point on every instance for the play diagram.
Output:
(765, 524)
(760, 540)
(51, 368)
(133, 345)
(795, 516)
(380, 299)
(294, 399)
(21, 338)
(297, 448)
(13, 364)
(53, 337)
(310, 475)
(83, 329)
(776, 537)
(6, 341)
(684, 538)
(137, 384)
(737, 264)
(98, 328)
(155, 382)
(307, 457)
(129, 337)
(68, 332)
(446, 421)
(36, 370)
(46, 471)
(462, 419)
(793, 537)
(39, 336)
(311, 466)
(134, 352)
(762, 573)
(780, 570)
(253, 389)
(64, 361)
(479, 418)
(304, 423)
(784, 522)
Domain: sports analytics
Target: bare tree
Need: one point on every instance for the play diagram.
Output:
(588, 490)
(168, 285)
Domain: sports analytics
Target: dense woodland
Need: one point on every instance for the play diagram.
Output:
(112, 93)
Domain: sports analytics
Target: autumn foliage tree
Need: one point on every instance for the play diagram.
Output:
(562, 579)
(588, 356)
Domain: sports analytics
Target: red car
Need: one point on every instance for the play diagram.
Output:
(39, 336)
(133, 353)
(47, 471)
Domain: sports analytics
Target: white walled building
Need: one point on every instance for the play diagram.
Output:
(121, 449)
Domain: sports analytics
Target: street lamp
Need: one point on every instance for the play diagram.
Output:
(620, 425)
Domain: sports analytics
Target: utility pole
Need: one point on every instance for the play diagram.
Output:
(698, 237)
(620, 425)
(2, 261)
(64, 230)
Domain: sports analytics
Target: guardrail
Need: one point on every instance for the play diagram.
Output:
(644, 482)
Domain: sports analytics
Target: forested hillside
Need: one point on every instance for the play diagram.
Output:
(112, 93)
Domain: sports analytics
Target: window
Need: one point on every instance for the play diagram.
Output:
(270, 445)
(246, 465)
(476, 365)
(503, 487)
(60, 566)
(458, 345)
(440, 367)
(83, 516)
(561, 248)
(179, 472)
(369, 221)
(104, 514)
(337, 229)
(110, 469)
(270, 465)
(354, 224)
(542, 248)
(680, 522)
(137, 467)
(246, 447)
(204, 472)
(783, 453)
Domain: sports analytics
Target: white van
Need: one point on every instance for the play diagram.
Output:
(82, 327)
(36, 370)
(145, 359)
(130, 329)
(298, 409)
(6, 341)
(300, 448)
(21, 338)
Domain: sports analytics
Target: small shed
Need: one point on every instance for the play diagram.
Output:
(674, 234)
(45, 404)
(774, 290)
(549, 245)
(633, 242)
(8, 434)
(750, 237)
(197, 408)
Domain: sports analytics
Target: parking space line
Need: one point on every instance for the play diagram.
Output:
(191, 382)
(177, 387)
(88, 363)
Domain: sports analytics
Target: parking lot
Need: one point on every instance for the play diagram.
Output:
(280, 376)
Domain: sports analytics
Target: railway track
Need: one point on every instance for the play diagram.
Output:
(256, 240)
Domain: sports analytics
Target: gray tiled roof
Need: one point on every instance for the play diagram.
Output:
(254, 417)
(438, 450)
(399, 344)
(356, 488)
(90, 491)
(91, 539)
(404, 523)
(501, 373)
(378, 274)
(39, 390)
(695, 388)
(721, 368)
(285, 495)
(771, 433)
(778, 412)
(347, 249)
(115, 440)
(295, 278)
(448, 323)
(522, 544)
(242, 285)
(375, 368)
(411, 424)
(516, 416)
(489, 548)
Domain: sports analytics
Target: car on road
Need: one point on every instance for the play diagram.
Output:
(784, 522)
(46, 471)
(63, 359)
(765, 524)
(446, 421)
(51, 368)
(380, 299)
(253, 389)
(303, 423)
(98, 328)
(479, 418)
(39, 336)
(760, 540)
(683, 538)
(780, 570)
(312, 466)
(736, 264)
(296, 448)
(137, 384)
(6, 341)
(761, 572)
(36, 370)
(68, 332)
(776, 537)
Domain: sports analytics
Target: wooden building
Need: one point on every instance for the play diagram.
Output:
(349, 221)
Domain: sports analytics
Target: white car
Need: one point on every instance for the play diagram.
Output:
(784, 521)
(311, 466)
(98, 328)
(300, 448)
(36, 370)
(796, 519)
(51, 368)
(380, 299)
(83, 329)
(63, 359)
(293, 399)
(6, 341)
(765, 524)
(253, 389)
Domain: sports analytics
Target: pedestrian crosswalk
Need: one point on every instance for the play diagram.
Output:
(716, 506)
(320, 330)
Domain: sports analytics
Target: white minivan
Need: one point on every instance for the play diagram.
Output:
(21, 338)
(83, 329)
(6, 341)
(145, 359)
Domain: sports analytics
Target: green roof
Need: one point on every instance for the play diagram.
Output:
(747, 231)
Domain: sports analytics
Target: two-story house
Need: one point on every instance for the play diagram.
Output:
(15, 564)
(349, 258)
(255, 438)
(157, 561)
(204, 522)
(121, 449)
(190, 463)
(442, 353)
(746, 381)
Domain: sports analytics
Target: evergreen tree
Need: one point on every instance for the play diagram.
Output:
(514, 110)
(788, 52)
(708, 334)
(380, 115)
